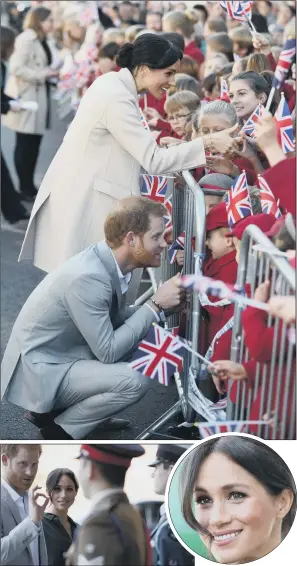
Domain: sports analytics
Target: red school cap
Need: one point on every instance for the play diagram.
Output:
(263, 221)
(217, 217)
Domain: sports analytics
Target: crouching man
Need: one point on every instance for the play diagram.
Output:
(67, 355)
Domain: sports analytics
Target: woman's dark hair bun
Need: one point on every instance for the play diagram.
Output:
(124, 56)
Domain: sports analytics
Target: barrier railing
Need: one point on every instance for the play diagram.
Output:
(274, 388)
(188, 207)
(272, 382)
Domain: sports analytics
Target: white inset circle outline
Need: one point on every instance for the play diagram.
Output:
(168, 485)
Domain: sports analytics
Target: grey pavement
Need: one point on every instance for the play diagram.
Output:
(17, 282)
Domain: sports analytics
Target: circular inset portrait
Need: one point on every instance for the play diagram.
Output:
(231, 499)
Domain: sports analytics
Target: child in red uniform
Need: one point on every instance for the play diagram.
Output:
(259, 339)
(179, 108)
(221, 265)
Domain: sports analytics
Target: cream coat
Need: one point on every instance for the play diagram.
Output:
(98, 163)
(27, 72)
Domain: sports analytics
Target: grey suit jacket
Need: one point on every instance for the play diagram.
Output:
(16, 535)
(76, 313)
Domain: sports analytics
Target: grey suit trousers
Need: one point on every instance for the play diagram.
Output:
(91, 392)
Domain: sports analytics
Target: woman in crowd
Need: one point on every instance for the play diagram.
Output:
(102, 153)
(247, 90)
(28, 80)
(59, 528)
(245, 511)
(11, 207)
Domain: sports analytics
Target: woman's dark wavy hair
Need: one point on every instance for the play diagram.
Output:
(260, 82)
(54, 477)
(255, 457)
(149, 49)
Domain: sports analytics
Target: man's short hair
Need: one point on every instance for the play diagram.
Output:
(113, 475)
(132, 214)
(11, 450)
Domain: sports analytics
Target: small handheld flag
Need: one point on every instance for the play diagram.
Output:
(168, 216)
(154, 187)
(209, 428)
(284, 62)
(238, 203)
(159, 355)
(249, 126)
(268, 202)
(284, 122)
(224, 91)
(178, 245)
(220, 289)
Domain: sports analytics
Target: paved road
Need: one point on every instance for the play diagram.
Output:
(17, 282)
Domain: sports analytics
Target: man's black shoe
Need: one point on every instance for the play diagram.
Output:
(54, 432)
(40, 419)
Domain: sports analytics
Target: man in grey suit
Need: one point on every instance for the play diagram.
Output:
(22, 538)
(71, 343)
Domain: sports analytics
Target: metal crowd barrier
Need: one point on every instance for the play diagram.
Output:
(275, 382)
(188, 209)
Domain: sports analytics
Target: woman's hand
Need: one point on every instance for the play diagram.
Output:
(262, 292)
(225, 369)
(225, 166)
(220, 142)
(283, 307)
(167, 140)
(179, 258)
(50, 73)
(266, 134)
(261, 44)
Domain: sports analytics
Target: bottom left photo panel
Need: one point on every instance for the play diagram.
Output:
(88, 504)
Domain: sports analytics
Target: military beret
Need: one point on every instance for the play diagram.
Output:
(168, 453)
(113, 454)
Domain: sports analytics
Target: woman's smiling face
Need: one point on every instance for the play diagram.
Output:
(233, 506)
(244, 99)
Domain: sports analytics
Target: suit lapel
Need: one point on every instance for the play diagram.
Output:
(108, 261)
(129, 82)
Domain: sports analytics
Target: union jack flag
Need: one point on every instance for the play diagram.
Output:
(154, 187)
(207, 285)
(238, 10)
(268, 202)
(238, 204)
(284, 122)
(179, 244)
(168, 216)
(208, 429)
(249, 126)
(284, 62)
(224, 91)
(159, 355)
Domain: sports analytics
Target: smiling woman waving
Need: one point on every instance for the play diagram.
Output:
(100, 159)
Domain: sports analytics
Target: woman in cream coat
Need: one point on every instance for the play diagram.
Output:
(100, 159)
(29, 69)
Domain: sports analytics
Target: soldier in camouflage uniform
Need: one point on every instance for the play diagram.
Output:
(114, 532)
(167, 551)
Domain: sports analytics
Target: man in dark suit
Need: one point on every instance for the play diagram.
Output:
(114, 531)
(22, 538)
